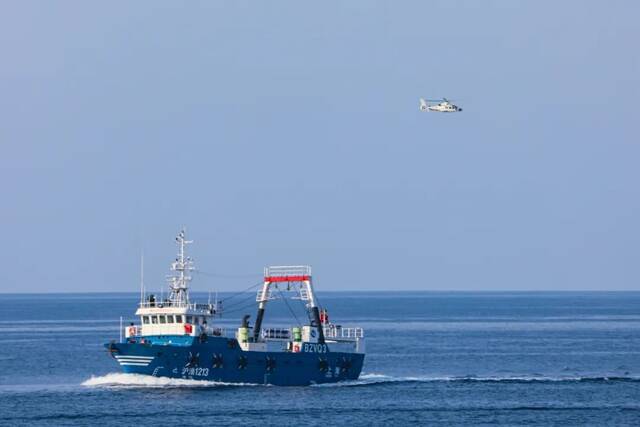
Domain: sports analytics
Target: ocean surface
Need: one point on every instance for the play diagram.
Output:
(562, 358)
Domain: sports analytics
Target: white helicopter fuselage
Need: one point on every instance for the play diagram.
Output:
(442, 107)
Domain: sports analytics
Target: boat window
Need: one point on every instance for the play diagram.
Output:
(170, 318)
(178, 318)
(189, 319)
(162, 319)
(145, 320)
(154, 319)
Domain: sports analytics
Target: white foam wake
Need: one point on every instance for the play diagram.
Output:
(364, 379)
(375, 378)
(119, 380)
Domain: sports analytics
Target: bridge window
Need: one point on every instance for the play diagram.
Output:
(178, 318)
(170, 318)
(154, 320)
(162, 319)
(189, 319)
(145, 320)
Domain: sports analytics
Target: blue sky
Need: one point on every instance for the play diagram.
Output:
(288, 132)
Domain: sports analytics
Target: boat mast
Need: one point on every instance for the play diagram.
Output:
(179, 281)
(142, 277)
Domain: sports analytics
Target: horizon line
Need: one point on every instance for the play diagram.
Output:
(354, 290)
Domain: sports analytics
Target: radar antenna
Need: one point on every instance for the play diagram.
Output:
(179, 280)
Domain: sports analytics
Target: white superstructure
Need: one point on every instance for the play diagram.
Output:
(175, 315)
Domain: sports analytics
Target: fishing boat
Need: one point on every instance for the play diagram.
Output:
(178, 338)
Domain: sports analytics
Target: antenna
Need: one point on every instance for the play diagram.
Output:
(142, 277)
(181, 267)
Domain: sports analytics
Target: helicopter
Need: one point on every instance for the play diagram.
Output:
(442, 106)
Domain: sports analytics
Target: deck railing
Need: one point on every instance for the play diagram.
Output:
(340, 332)
(287, 270)
(171, 329)
(276, 333)
(332, 331)
(171, 304)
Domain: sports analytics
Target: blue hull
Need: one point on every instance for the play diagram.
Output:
(221, 359)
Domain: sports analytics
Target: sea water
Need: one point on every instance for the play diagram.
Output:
(562, 358)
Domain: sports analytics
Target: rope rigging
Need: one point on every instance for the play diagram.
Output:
(242, 308)
(226, 276)
(243, 301)
(241, 305)
(241, 292)
(246, 300)
(306, 309)
(289, 307)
